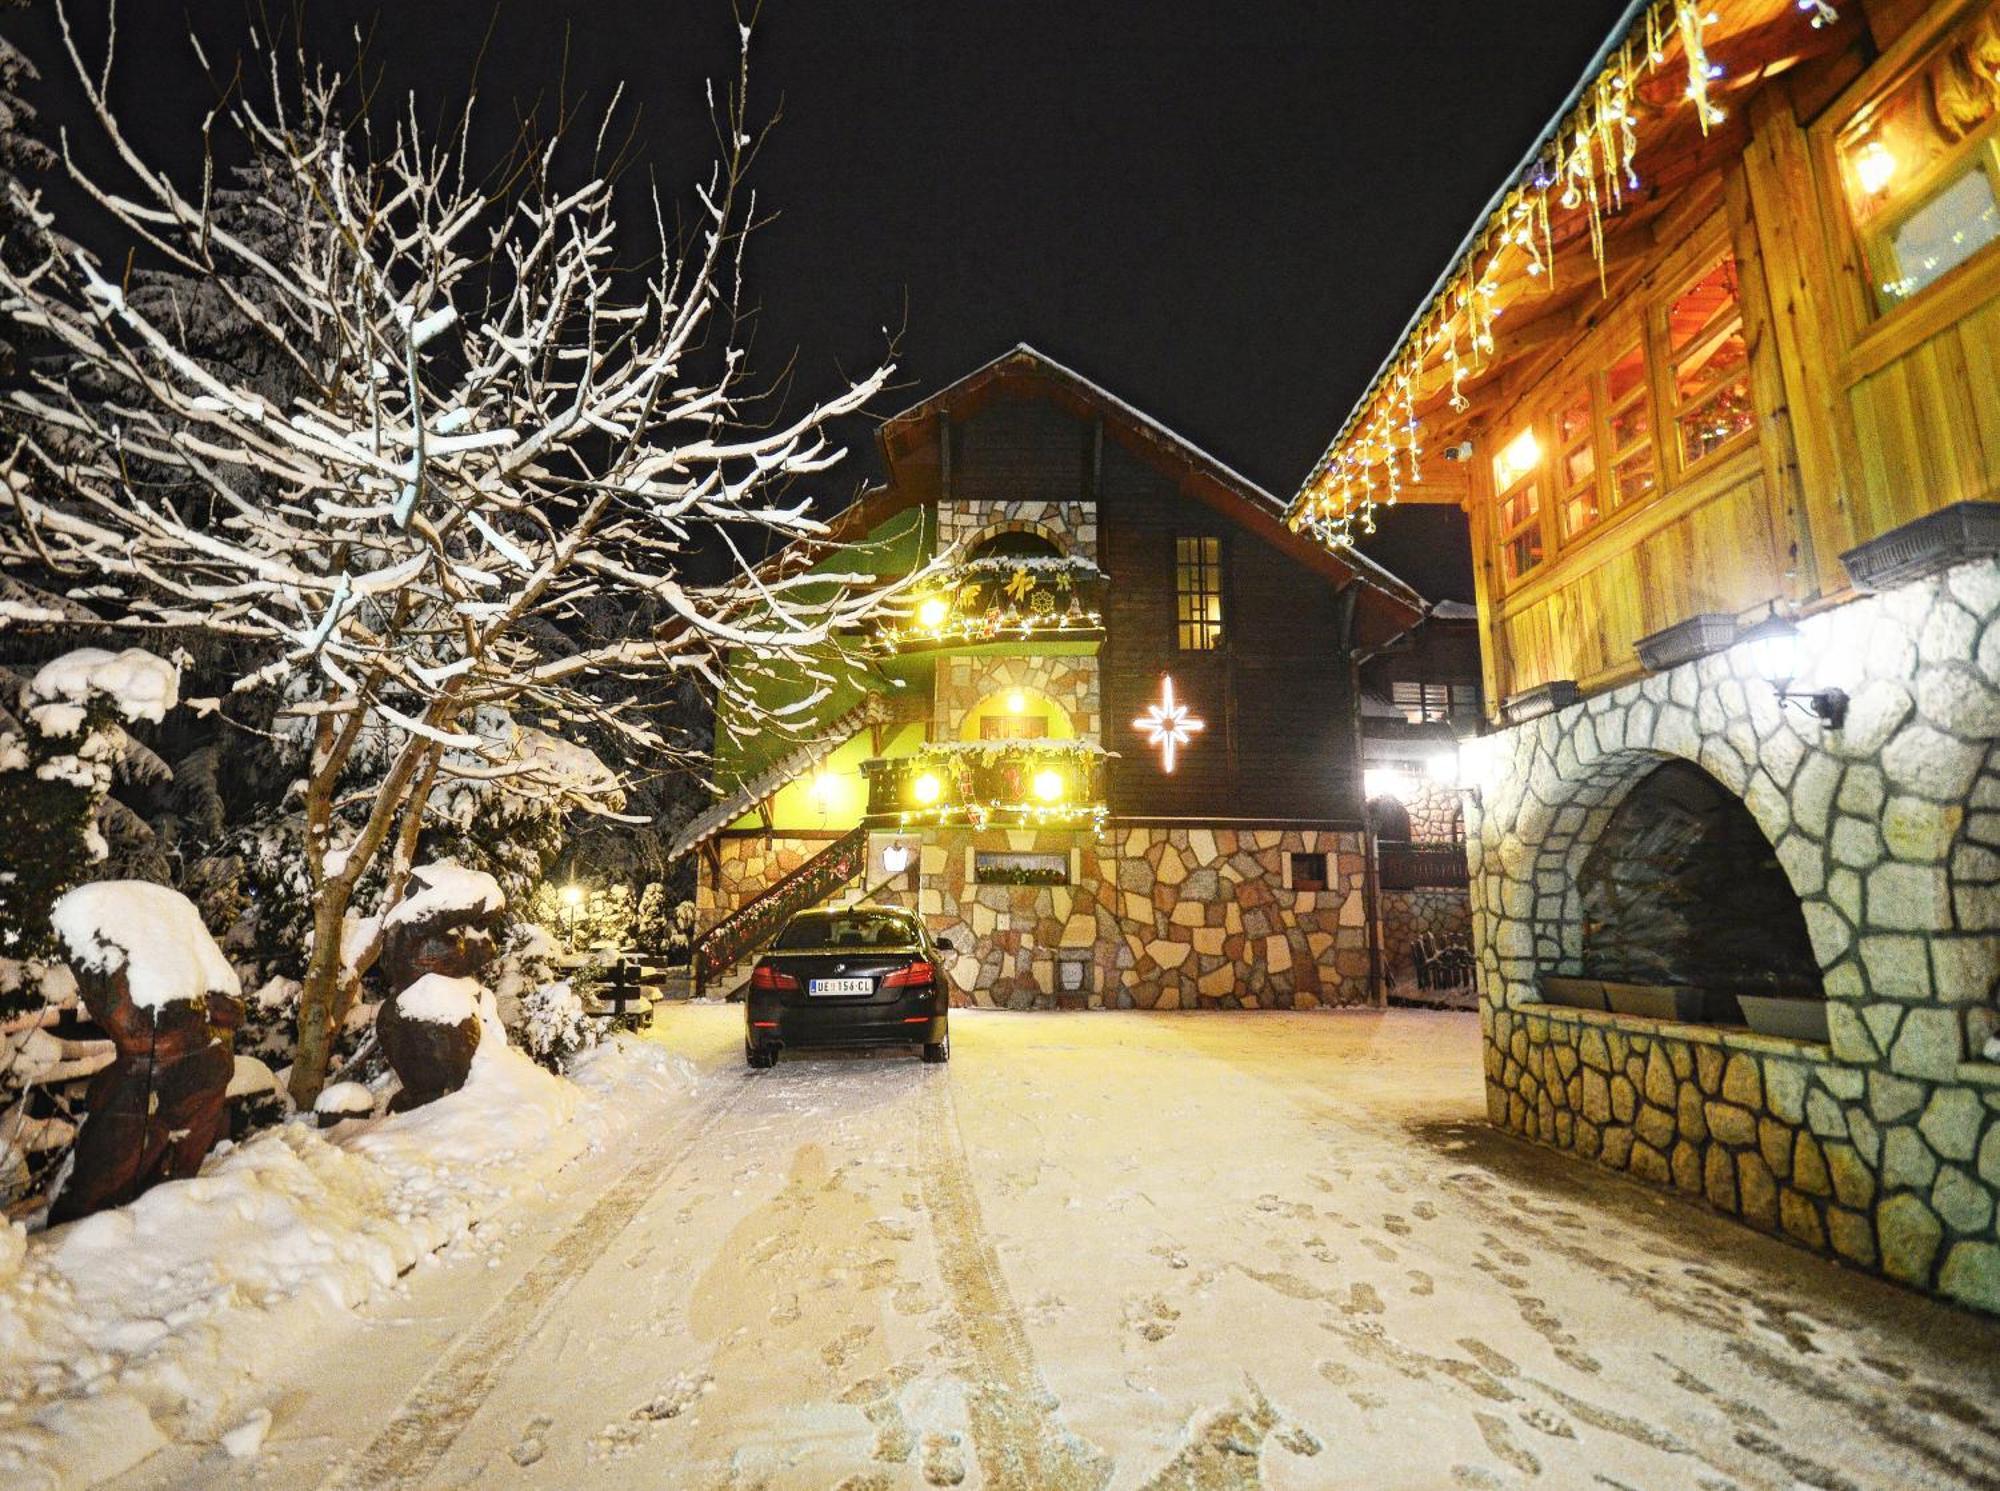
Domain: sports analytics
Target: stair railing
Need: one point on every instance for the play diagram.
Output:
(756, 922)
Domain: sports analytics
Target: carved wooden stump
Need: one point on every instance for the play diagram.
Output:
(157, 1110)
(432, 1055)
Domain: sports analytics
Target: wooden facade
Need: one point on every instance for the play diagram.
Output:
(1761, 384)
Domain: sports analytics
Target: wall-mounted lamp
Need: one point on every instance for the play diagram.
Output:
(1774, 652)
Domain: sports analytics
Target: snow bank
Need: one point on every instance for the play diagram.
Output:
(160, 1321)
(151, 932)
(446, 888)
(141, 686)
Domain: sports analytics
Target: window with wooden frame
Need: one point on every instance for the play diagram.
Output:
(1628, 427)
(1709, 363)
(1517, 504)
(1576, 461)
(1198, 593)
(1920, 166)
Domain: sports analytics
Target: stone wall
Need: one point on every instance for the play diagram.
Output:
(1066, 679)
(1887, 831)
(1071, 526)
(750, 865)
(1407, 914)
(1169, 918)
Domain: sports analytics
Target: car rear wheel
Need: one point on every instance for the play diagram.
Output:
(938, 1052)
(759, 1056)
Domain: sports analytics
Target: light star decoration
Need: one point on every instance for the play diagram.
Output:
(1168, 724)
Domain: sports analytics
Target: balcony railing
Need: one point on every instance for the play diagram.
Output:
(1011, 784)
(1004, 599)
(1420, 866)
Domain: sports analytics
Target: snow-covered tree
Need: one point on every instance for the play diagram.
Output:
(506, 443)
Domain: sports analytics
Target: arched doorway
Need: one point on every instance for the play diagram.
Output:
(1014, 543)
(1683, 888)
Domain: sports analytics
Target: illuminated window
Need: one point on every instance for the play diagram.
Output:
(1424, 703)
(1576, 465)
(1013, 727)
(1711, 365)
(1198, 593)
(1519, 504)
(1629, 425)
(1921, 167)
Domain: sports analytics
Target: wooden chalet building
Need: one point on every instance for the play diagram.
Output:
(1716, 377)
(1110, 750)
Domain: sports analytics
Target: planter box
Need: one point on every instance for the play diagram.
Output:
(1798, 1019)
(1679, 1002)
(1543, 699)
(1575, 993)
(1923, 546)
(1685, 641)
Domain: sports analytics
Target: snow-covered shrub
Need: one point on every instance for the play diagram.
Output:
(60, 749)
(663, 930)
(555, 1025)
(42, 1075)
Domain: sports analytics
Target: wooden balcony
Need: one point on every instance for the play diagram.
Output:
(1420, 866)
(1001, 604)
(981, 784)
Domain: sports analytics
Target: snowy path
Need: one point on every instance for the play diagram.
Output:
(1126, 1252)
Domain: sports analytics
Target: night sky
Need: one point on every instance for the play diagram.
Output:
(1221, 212)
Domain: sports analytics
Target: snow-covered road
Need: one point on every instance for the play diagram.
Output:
(1212, 1251)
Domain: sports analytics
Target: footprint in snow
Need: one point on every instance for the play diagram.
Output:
(944, 1460)
(531, 1446)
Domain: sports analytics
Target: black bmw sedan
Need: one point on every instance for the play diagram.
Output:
(858, 976)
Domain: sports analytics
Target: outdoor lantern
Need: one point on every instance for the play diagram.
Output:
(572, 895)
(896, 858)
(933, 612)
(927, 789)
(1048, 784)
(1774, 653)
(1874, 167)
(1442, 768)
(1017, 702)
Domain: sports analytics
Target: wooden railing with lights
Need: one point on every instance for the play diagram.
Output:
(1013, 784)
(752, 925)
(989, 601)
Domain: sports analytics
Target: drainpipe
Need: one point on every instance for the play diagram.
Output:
(1378, 993)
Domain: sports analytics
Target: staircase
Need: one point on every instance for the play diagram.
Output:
(720, 950)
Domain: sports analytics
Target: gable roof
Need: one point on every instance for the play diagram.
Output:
(1396, 604)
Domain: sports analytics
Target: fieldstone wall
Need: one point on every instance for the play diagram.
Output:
(1169, 918)
(750, 865)
(1071, 526)
(1068, 680)
(1887, 830)
(1407, 914)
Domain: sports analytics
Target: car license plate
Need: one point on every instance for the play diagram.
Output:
(842, 986)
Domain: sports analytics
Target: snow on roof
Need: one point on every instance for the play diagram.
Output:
(446, 887)
(143, 687)
(151, 932)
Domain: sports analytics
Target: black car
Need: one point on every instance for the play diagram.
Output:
(859, 976)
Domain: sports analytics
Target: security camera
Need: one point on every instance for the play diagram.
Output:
(1459, 452)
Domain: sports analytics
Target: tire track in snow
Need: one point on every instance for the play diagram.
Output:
(1016, 1433)
(428, 1422)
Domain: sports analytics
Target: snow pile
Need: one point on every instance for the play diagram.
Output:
(151, 932)
(555, 1026)
(139, 685)
(437, 999)
(446, 887)
(162, 1320)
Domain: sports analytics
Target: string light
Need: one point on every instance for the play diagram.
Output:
(1591, 167)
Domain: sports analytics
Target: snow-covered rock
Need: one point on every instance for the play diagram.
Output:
(439, 1000)
(344, 1100)
(446, 887)
(151, 933)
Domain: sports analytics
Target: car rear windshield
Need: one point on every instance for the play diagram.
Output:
(848, 929)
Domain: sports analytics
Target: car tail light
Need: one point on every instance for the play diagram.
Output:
(768, 980)
(918, 972)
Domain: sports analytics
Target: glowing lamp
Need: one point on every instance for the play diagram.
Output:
(896, 858)
(1048, 785)
(933, 612)
(927, 789)
(1443, 768)
(572, 895)
(1017, 702)
(1387, 781)
(1874, 167)
(1774, 652)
